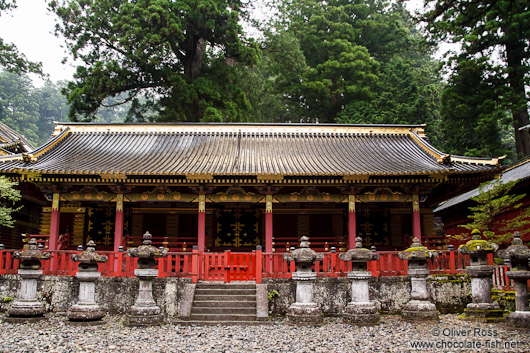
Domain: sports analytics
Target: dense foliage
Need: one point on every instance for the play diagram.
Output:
(8, 197)
(177, 56)
(31, 110)
(346, 62)
(336, 61)
(496, 32)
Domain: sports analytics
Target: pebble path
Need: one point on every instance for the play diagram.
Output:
(392, 335)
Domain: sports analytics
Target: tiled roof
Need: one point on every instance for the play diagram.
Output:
(242, 149)
(517, 171)
(12, 142)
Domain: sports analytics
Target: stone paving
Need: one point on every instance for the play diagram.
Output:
(392, 335)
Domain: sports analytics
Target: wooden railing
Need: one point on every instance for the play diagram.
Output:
(229, 266)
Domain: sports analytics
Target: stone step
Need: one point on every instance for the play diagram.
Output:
(223, 310)
(223, 317)
(241, 298)
(223, 303)
(231, 291)
(225, 286)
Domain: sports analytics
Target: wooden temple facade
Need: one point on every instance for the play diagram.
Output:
(236, 186)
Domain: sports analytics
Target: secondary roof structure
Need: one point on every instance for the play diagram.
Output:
(11, 142)
(209, 151)
(517, 171)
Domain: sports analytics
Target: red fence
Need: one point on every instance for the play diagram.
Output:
(229, 266)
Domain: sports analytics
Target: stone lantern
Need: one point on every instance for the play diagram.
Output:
(86, 308)
(145, 312)
(519, 255)
(26, 306)
(419, 307)
(304, 311)
(482, 308)
(360, 310)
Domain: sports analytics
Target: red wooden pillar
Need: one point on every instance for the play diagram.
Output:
(54, 224)
(416, 217)
(118, 223)
(201, 232)
(268, 224)
(352, 222)
(259, 264)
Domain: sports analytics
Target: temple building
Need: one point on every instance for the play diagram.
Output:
(235, 186)
(455, 212)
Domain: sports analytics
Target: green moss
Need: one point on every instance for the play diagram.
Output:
(473, 245)
(7, 299)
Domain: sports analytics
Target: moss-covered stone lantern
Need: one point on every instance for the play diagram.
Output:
(86, 309)
(360, 311)
(26, 307)
(419, 307)
(304, 311)
(482, 308)
(145, 312)
(519, 255)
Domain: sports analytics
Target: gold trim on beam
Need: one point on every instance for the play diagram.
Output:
(55, 201)
(356, 177)
(119, 202)
(351, 203)
(270, 177)
(415, 203)
(268, 203)
(199, 177)
(113, 176)
(383, 198)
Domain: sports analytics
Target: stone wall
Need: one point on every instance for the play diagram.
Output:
(116, 294)
(450, 293)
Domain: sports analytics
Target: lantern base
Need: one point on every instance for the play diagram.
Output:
(85, 312)
(419, 310)
(483, 312)
(360, 313)
(302, 314)
(519, 320)
(143, 320)
(26, 309)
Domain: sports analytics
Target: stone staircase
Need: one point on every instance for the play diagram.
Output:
(223, 303)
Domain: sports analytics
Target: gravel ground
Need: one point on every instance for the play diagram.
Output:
(392, 335)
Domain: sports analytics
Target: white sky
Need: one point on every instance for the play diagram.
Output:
(30, 27)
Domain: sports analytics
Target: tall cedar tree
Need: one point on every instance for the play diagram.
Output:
(473, 117)
(346, 61)
(176, 57)
(485, 29)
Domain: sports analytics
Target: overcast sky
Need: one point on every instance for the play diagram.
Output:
(30, 27)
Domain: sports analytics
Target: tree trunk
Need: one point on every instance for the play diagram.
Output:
(193, 63)
(518, 101)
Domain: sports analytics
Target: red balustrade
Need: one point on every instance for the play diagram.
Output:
(230, 266)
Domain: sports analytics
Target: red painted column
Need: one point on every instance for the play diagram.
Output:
(54, 224)
(352, 222)
(268, 224)
(118, 223)
(201, 231)
(416, 217)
